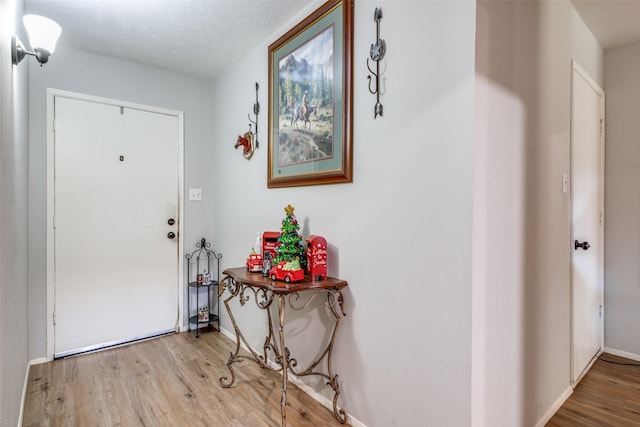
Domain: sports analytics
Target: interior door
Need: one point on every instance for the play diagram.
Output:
(587, 246)
(116, 201)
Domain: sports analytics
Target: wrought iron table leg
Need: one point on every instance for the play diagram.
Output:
(271, 343)
(225, 381)
(335, 304)
(335, 300)
(284, 358)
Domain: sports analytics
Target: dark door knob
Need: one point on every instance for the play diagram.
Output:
(583, 245)
(171, 221)
(171, 235)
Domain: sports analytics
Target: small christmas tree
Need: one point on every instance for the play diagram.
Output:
(290, 242)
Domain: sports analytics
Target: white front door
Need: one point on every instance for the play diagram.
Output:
(116, 181)
(587, 244)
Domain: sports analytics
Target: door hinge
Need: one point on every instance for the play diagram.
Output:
(54, 318)
(600, 308)
(601, 127)
(601, 218)
(54, 124)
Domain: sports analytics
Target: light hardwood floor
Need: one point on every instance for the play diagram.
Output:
(608, 395)
(173, 381)
(168, 381)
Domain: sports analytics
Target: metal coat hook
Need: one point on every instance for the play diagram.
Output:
(256, 111)
(378, 49)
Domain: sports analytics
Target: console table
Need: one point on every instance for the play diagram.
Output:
(244, 285)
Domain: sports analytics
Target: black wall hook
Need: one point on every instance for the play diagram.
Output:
(377, 51)
(256, 111)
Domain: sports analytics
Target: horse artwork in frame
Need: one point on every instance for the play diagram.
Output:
(311, 100)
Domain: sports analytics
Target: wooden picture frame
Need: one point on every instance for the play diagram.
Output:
(311, 100)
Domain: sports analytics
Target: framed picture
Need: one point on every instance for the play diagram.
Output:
(311, 100)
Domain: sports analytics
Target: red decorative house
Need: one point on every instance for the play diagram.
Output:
(317, 257)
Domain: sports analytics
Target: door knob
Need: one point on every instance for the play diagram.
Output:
(171, 221)
(583, 245)
(171, 235)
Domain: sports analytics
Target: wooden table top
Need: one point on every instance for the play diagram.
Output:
(242, 275)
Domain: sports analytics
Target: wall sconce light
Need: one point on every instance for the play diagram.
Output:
(43, 34)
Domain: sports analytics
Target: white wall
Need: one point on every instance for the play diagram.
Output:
(78, 71)
(521, 264)
(622, 203)
(14, 317)
(400, 234)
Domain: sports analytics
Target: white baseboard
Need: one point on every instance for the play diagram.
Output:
(322, 400)
(554, 408)
(24, 395)
(227, 333)
(38, 361)
(622, 353)
(301, 385)
(26, 384)
(355, 422)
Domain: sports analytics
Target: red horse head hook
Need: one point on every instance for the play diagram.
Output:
(246, 141)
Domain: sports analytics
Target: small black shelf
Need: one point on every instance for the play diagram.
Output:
(212, 318)
(200, 262)
(202, 285)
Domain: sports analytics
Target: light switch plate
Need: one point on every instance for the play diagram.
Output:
(195, 194)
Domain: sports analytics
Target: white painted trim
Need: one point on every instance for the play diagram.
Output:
(594, 85)
(301, 385)
(327, 403)
(38, 361)
(25, 386)
(24, 395)
(51, 94)
(622, 353)
(231, 335)
(554, 408)
(587, 368)
(50, 211)
(181, 220)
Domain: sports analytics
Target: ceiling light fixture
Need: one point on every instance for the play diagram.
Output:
(43, 34)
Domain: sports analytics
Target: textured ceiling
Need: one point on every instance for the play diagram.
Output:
(200, 38)
(613, 22)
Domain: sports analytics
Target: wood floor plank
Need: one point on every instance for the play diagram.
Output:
(168, 381)
(608, 395)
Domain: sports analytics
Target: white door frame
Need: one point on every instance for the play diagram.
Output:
(51, 94)
(576, 68)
